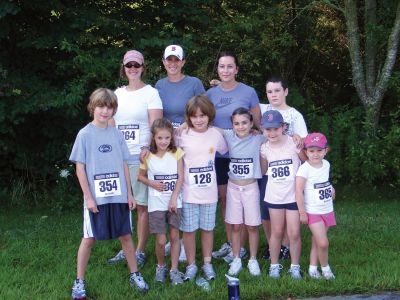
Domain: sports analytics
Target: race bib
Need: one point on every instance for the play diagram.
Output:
(242, 168)
(201, 177)
(281, 170)
(130, 132)
(169, 182)
(176, 124)
(323, 191)
(107, 185)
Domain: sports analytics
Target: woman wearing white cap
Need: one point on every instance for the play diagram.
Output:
(139, 105)
(175, 90)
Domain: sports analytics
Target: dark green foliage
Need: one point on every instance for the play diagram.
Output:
(53, 54)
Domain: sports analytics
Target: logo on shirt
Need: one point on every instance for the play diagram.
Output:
(105, 148)
(223, 102)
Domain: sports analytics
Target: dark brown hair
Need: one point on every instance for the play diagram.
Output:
(162, 124)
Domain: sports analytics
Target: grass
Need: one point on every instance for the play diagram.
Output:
(38, 257)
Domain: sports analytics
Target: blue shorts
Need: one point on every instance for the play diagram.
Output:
(288, 206)
(222, 169)
(262, 185)
(112, 221)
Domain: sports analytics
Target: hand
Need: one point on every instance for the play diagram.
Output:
(214, 82)
(91, 205)
(178, 131)
(143, 154)
(298, 141)
(131, 203)
(158, 185)
(303, 218)
(172, 207)
(333, 193)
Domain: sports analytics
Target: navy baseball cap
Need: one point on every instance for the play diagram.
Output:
(272, 119)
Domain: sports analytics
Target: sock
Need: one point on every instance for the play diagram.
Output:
(327, 268)
(207, 260)
(292, 265)
(312, 268)
(273, 265)
(253, 257)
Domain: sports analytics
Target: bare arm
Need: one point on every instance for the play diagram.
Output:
(154, 114)
(155, 184)
(256, 112)
(83, 182)
(131, 199)
(300, 183)
(302, 155)
(173, 202)
(264, 165)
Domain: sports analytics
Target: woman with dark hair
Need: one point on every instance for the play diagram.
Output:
(227, 96)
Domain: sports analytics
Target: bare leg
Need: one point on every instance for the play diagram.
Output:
(244, 235)
(129, 250)
(235, 237)
(293, 229)
(189, 240)
(207, 239)
(313, 253)
(319, 232)
(277, 229)
(84, 251)
(142, 227)
(253, 240)
(175, 246)
(160, 248)
(222, 198)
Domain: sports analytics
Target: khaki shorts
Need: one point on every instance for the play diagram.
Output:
(158, 220)
(139, 189)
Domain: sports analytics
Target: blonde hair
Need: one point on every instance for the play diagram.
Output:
(102, 97)
(204, 104)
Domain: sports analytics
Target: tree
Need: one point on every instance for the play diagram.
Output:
(372, 66)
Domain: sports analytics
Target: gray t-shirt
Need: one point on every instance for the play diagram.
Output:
(175, 95)
(244, 155)
(102, 151)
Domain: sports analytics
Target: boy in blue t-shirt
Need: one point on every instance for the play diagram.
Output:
(100, 155)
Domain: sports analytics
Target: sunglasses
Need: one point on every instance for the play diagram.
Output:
(134, 65)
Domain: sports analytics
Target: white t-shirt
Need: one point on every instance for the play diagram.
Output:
(317, 190)
(163, 169)
(292, 117)
(132, 117)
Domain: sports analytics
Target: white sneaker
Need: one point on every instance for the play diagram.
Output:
(235, 266)
(254, 267)
(275, 271)
(295, 272)
(182, 253)
(223, 251)
(229, 257)
(328, 275)
(315, 274)
(167, 249)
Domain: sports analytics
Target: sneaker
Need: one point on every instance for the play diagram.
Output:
(176, 277)
(266, 254)
(235, 266)
(182, 253)
(314, 274)
(275, 271)
(229, 258)
(136, 280)
(117, 258)
(295, 272)
(78, 290)
(208, 271)
(223, 251)
(140, 258)
(161, 273)
(285, 253)
(254, 267)
(328, 275)
(167, 249)
(191, 271)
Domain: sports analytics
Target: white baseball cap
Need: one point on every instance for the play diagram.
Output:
(174, 50)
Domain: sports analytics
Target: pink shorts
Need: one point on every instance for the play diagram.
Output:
(243, 204)
(328, 219)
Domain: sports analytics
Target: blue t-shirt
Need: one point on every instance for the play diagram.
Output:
(244, 155)
(225, 102)
(102, 151)
(175, 95)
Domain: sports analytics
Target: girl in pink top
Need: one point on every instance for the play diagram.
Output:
(200, 142)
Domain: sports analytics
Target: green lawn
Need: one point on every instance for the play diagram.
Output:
(38, 253)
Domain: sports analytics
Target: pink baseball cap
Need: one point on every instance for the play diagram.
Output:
(315, 139)
(133, 55)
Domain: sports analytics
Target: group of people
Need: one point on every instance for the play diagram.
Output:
(174, 151)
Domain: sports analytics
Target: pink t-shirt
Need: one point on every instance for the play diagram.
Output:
(200, 182)
(283, 163)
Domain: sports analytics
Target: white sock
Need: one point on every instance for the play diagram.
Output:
(292, 265)
(274, 265)
(327, 268)
(312, 268)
